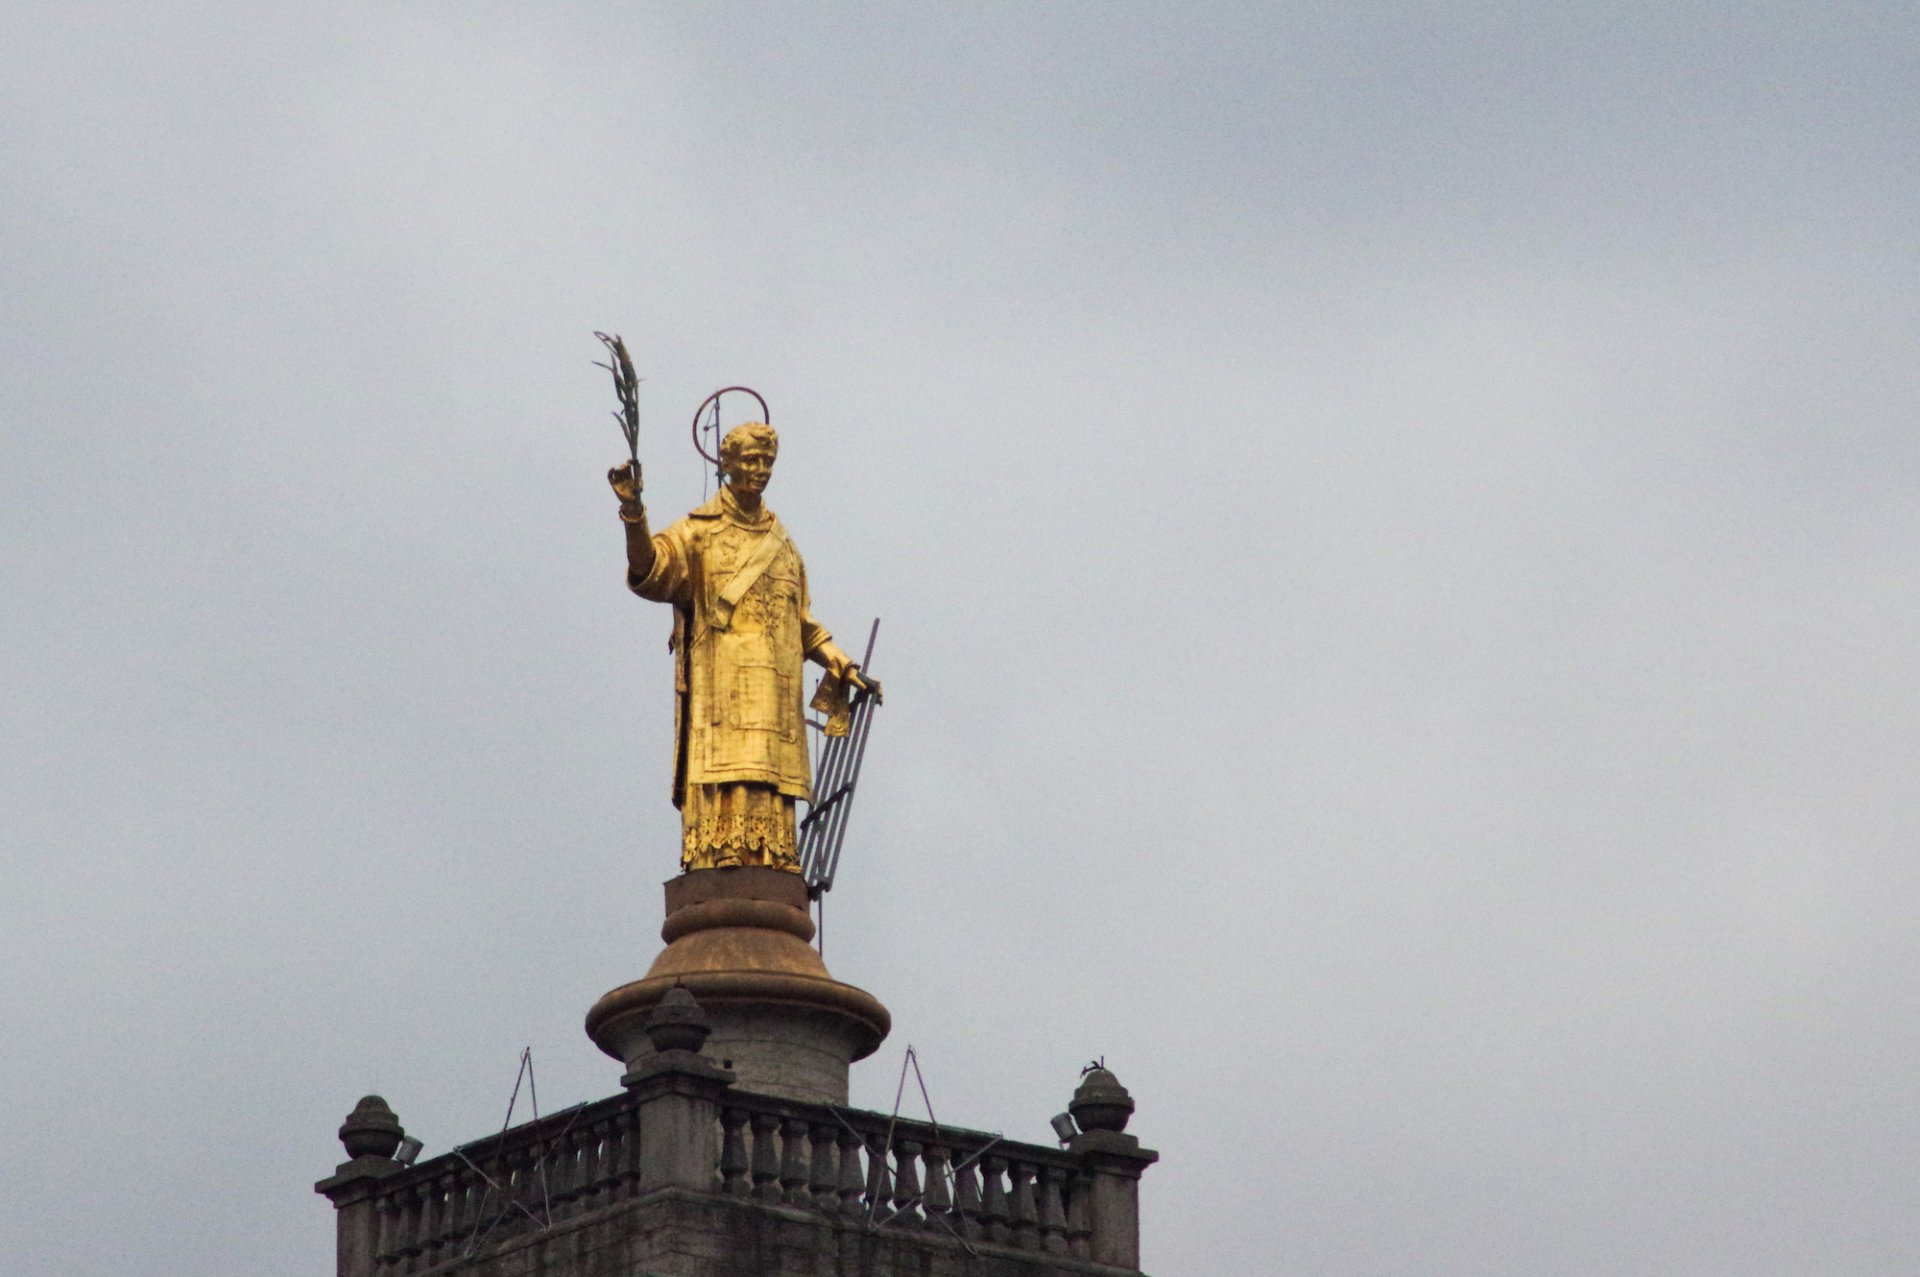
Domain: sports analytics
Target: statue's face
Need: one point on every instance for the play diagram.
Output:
(750, 468)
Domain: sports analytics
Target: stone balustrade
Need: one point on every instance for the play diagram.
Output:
(683, 1126)
(883, 1172)
(530, 1177)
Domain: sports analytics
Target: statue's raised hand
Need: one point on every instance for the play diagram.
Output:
(625, 479)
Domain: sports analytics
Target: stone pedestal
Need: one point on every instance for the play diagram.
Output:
(739, 940)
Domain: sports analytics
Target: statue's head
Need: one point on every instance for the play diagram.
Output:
(746, 456)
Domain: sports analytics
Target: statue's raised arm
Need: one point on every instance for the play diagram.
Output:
(625, 479)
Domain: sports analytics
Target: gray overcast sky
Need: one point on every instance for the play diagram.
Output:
(1395, 526)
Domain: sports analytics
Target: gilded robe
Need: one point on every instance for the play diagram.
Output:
(741, 633)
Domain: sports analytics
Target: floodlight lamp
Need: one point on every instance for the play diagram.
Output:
(1063, 1127)
(408, 1150)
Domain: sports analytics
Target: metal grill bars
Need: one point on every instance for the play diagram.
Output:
(824, 829)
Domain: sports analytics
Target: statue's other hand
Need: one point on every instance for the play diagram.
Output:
(859, 679)
(625, 479)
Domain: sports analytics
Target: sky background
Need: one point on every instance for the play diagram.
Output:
(1395, 526)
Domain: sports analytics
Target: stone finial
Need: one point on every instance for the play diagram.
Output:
(1100, 1103)
(371, 1130)
(677, 1023)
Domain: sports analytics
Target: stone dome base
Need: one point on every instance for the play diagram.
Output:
(739, 939)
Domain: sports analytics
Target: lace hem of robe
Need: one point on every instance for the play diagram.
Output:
(738, 824)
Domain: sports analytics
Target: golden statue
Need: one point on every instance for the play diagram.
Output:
(741, 630)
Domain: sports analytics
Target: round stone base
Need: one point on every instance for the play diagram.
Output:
(738, 940)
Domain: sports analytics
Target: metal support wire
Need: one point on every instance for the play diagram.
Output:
(948, 1174)
(545, 1219)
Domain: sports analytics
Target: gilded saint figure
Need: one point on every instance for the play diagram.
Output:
(741, 633)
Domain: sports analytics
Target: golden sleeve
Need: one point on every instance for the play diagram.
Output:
(813, 635)
(670, 580)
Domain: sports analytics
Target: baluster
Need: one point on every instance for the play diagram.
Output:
(793, 1162)
(879, 1182)
(542, 1181)
(550, 1176)
(995, 1225)
(612, 1165)
(461, 1201)
(968, 1220)
(606, 1158)
(939, 1201)
(614, 1149)
(506, 1178)
(446, 1186)
(624, 1154)
(593, 1152)
(492, 1195)
(432, 1212)
(593, 1164)
(733, 1153)
(385, 1235)
(418, 1204)
(575, 1174)
(491, 1199)
(460, 1186)
(393, 1231)
(496, 1193)
(613, 1136)
(1079, 1232)
(766, 1158)
(1053, 1219)
(906, 1184)
(582, 1149)
(525, 1190)
(441, 1223)
(500, 1166)
(1022, 1211)
(579, 1168)
(486, 1198)
(507, 1175)
(412, 1205)
(823, 1180)
(427, 1222)
(852, 1177)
